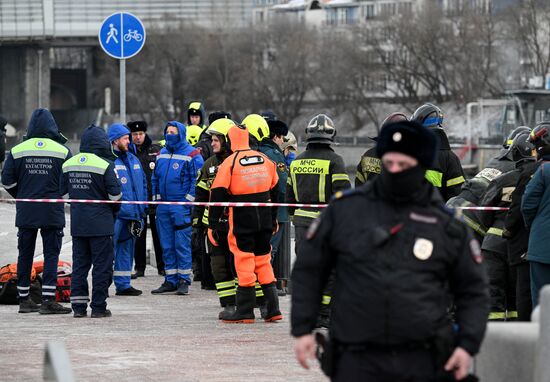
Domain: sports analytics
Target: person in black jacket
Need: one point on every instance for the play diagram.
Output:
(33, 171)
(518, 240)
(502, 278)
(3, 123)
(446, 172)
(147, 153)
(91, 175)
(396, 263)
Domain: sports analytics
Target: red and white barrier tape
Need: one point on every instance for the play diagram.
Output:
(211, 204)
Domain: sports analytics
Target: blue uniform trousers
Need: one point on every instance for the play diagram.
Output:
(175, 239)
(52, 239)
(124, 244)
(99, 252)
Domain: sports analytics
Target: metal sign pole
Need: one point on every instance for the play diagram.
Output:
(123, 91)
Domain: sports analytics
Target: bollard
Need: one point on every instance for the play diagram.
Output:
(542, 369)
(57, 365)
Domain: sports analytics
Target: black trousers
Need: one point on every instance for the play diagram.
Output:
(300, 236)
(385, 366)
(87, 252)
(523, 291)
(140, 251)
(26, 242)
(502, 285)
(200, 257)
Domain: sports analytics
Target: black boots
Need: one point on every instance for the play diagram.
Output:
(227, 311)
(52, 307)
(272, 299)
(246, 299)
(28, 306)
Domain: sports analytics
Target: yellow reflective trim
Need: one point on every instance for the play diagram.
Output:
(227, 293)
(307, 214)
(336, 177)
(455, 181)
(225, 284)
(512, 314)
(497, 316)
(205, 216)
(434, 177)
(326, 300)
(322, 178)
(360, 176)
(474, 225)
(294, 188)
(510, 141)
(202, 184)
(495, 231)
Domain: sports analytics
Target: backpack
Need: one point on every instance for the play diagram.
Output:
(8, 285)
(63, 286)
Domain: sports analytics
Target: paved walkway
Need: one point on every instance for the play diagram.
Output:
(153, 338)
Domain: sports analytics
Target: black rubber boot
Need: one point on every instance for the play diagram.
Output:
(227, 311)
(272, 299)
(246, 299)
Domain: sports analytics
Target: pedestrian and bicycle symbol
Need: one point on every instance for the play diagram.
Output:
(122, 35)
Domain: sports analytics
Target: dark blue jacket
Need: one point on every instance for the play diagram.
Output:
(134, 185)
(33, 171)
(535, 207)
(91, 175)
(175, 173)
(273, 152)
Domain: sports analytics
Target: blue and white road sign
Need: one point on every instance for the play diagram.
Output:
(122, 35)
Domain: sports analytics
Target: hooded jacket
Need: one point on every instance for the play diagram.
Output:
(131, 177)
(245, 176)
(33, 170)
(91, 175)
(175, 172)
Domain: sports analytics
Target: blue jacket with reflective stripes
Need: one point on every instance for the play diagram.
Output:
(176, 170)
(91, 175)
(134, 185)
(33, 171)
(273, 152)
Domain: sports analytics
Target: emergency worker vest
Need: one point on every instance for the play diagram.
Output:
(38, 163)
(315, 175)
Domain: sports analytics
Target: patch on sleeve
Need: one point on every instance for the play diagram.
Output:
(475, 249)
(312, 230)
(281, 166)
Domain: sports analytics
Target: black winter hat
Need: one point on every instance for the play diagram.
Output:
(277, 127)
(137, 126)
(215, 115)
(410, 138)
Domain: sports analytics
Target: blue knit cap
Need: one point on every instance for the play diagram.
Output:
(116, 131)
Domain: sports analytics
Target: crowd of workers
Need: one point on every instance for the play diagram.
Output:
(233, 249)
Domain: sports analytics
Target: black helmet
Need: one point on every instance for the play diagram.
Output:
(540, 137)
(320, 130)
(518, 130)
(521, 148)
(428, 115)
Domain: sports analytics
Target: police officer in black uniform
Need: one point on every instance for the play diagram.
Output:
(398, 254)
(446, 172)
(147, 153)
(315, 175)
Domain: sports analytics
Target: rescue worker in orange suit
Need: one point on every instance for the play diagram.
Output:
(247, 176)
